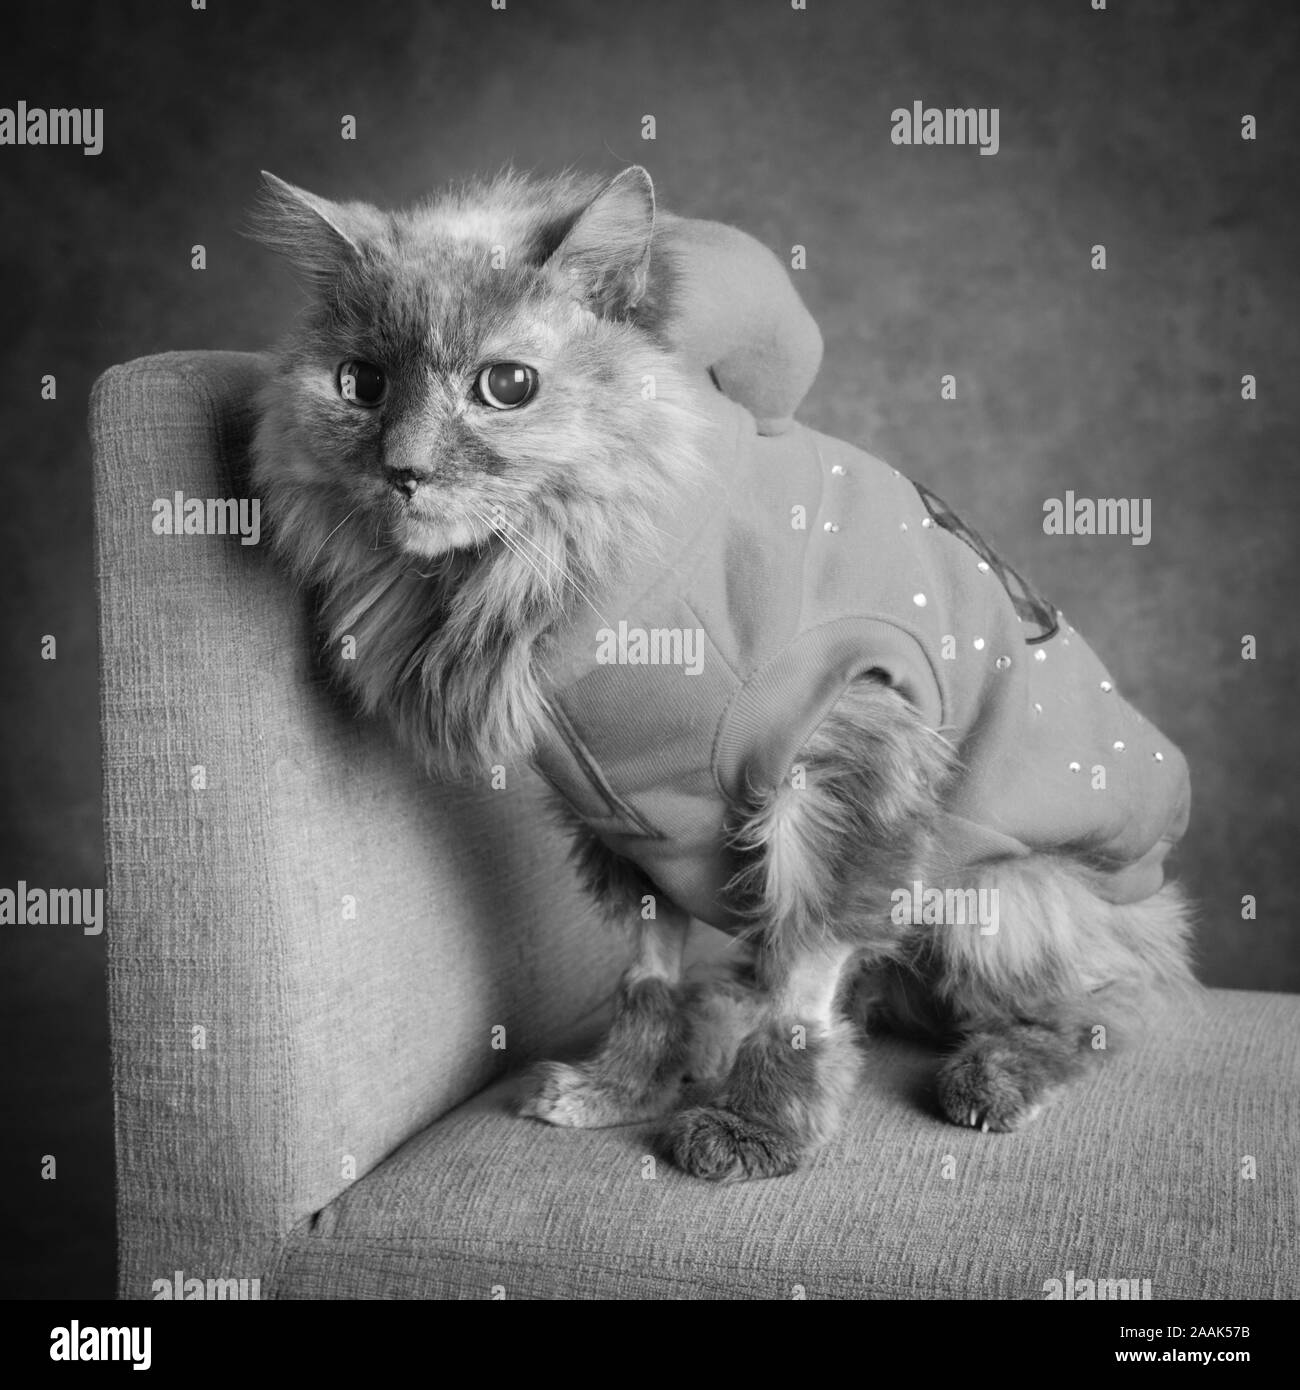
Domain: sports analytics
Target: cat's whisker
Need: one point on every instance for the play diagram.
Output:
(564, 572)
(649, 525)
(327, 539)
(567, 576)
(516, 550)
(363, 605)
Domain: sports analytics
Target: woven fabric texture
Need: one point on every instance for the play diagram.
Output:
(1136, 1174)
(327, 1038)
(284, 1065)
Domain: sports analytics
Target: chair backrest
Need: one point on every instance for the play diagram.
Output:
(310, 944)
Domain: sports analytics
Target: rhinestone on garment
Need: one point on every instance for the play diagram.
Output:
(1038, 709)
(1107, 687)
(837, 469)
(830, 526)
(983, 567)
(979, 644)
(1074, 767)
(1040, 655)
(1118, 745)
(927, 523)
(1002, 663)
(920, 600)
(1159, 757)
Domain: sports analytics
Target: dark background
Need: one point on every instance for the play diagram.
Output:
(1120, 127)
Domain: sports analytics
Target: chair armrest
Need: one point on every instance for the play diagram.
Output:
(309, 943)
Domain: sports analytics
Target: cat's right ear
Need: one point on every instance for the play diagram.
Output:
(316, 236)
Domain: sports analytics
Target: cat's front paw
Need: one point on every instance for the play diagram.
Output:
(989, 1085)
(722, 1015)
(719, 1145)
(578, 1097)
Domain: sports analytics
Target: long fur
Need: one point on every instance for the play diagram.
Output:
(872, 781)
(438, 622)
(544, 512)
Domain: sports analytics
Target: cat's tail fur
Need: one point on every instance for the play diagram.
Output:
(1056, 940)
(1066, 979)
(1068, 960)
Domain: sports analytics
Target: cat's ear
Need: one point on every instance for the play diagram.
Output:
(316, 236)
(605, 255)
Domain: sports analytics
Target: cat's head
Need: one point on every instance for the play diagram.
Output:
(475, 376)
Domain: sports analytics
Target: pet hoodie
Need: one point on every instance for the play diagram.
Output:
(803, 565)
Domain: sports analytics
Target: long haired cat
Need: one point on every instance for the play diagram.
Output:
(517, 455)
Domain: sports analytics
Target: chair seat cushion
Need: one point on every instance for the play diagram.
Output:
(1141, 1172)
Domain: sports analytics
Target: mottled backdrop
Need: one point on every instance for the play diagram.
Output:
(1120, 128)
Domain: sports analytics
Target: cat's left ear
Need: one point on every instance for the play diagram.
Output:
(605, 255)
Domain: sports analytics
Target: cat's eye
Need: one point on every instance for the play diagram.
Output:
(362, 383)
(506, 385)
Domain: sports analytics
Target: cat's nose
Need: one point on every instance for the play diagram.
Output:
(407, 480)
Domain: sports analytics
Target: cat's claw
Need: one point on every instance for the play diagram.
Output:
(1006, 1096)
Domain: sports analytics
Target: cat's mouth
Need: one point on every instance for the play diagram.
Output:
(426, 526)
